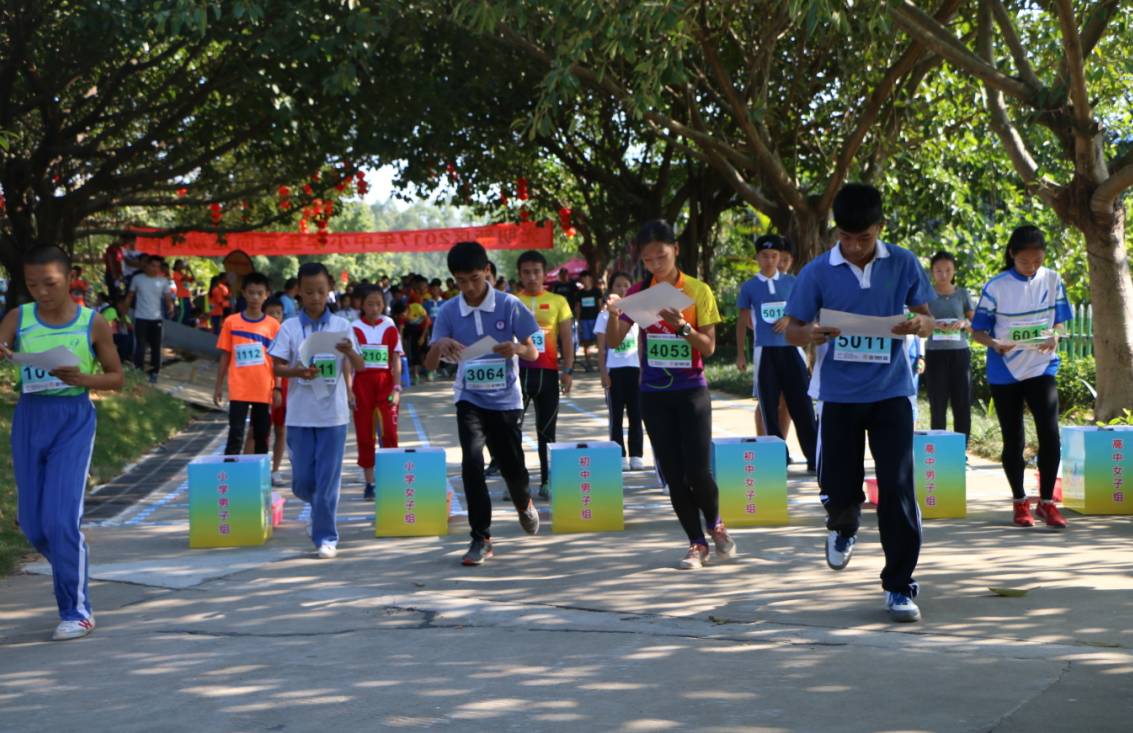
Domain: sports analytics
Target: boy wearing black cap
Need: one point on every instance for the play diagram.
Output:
(778, 369)
(865, 387)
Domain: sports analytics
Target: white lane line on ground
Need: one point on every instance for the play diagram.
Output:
(423, 439)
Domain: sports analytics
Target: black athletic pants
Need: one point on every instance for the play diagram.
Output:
(147, 334)
(499, 430)
(624, 396)
(782, 371)
(889, 425)
(680, 429)
(948, 378)
(261, 426)
(541, 386)
(1040, 394)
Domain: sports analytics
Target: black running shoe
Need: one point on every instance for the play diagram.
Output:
(478, 552)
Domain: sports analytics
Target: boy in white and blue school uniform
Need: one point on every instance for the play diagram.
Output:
(777, 367)
(489, 404)
(864, 386)
(319, 403)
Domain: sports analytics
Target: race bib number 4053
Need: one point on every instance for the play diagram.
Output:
(666, 351)
(863, 349)
(485, 376)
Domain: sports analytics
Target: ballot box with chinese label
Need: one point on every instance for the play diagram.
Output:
(229, 501)
(940, 465)
(1095, 464)
(586, 487)
(752, 476)
(410, 492)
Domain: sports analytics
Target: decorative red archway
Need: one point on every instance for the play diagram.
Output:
(525, 235)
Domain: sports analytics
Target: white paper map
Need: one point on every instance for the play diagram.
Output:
(320, 342)
(852, 324)
(644, 307)
(60, 356)
(480, 348)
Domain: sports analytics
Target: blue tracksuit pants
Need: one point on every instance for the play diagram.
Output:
(52, 442)
(316, 475)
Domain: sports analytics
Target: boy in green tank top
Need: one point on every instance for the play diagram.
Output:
(54, 424)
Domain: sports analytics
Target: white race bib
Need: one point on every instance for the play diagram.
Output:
(939, 334)
(248, 355)
(34, 380)
(486, 376)
(667, 351)
(588, 302)
(1026, 330)
(862, 349)
(772, 312)
(376, 356)
(540, 340)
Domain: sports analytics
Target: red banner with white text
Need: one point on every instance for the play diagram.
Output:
(526, 235)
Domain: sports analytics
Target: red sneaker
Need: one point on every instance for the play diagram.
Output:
(1048, 511)
(1023, 516)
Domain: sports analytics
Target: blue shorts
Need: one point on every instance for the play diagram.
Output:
(586, 330)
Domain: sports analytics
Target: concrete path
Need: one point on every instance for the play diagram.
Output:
(578, 632)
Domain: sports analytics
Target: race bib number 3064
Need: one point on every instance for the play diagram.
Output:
(863, 349)
(485, 376)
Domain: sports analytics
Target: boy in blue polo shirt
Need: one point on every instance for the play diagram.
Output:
(865, 391)
(489, 406)
(777, 368)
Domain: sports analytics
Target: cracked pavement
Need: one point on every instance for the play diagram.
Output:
(574, 632)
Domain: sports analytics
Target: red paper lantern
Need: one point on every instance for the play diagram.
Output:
(503, 199)
(521, 188)
(182, 192)
(3, 203)
(523, 215)
(302, 226)
(363, 188)
(284, 192)
(328, 207)
(340, 186)
(571, 232)
(308, 190)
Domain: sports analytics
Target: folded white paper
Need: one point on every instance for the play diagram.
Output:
(644, 307)
(478, 349)
(852, 324)
(320, 342)
(60, 356)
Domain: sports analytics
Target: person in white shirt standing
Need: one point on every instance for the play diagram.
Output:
(151, 300)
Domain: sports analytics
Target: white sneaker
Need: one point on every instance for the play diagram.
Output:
(839, 549)
(626, 465)
(277, 478)
(67, 630)
(637, 463)
(695, 558)
(328, 551)
(901, 608)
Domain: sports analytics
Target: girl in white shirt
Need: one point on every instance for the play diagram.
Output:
(621, 377)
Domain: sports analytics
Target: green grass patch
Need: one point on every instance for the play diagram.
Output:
(130, 423)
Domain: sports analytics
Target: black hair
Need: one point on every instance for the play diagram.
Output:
(584, 273)
(272, 302)
(311, 269)
(618, 274)
(492, 267)
(290, 283)
(466, 257)
(365, 291)
(1024, 237)
(531, 256)
(946, 257)
(857, 207)
(657, 230)
(398, 308)
(435, 282)
(47, 255)
(256, 278)
(774, 240)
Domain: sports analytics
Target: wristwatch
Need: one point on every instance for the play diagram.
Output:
(684, 330)
(568, 370)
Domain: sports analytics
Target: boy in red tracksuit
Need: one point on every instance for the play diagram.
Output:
(377, 388)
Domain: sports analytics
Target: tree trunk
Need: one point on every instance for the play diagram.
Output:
(808, 235)
(1112, 293)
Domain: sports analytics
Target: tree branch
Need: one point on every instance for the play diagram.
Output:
(1075, 65)
(1011, 38)
(938, 39)
(1013, 143)
(1105, 196)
